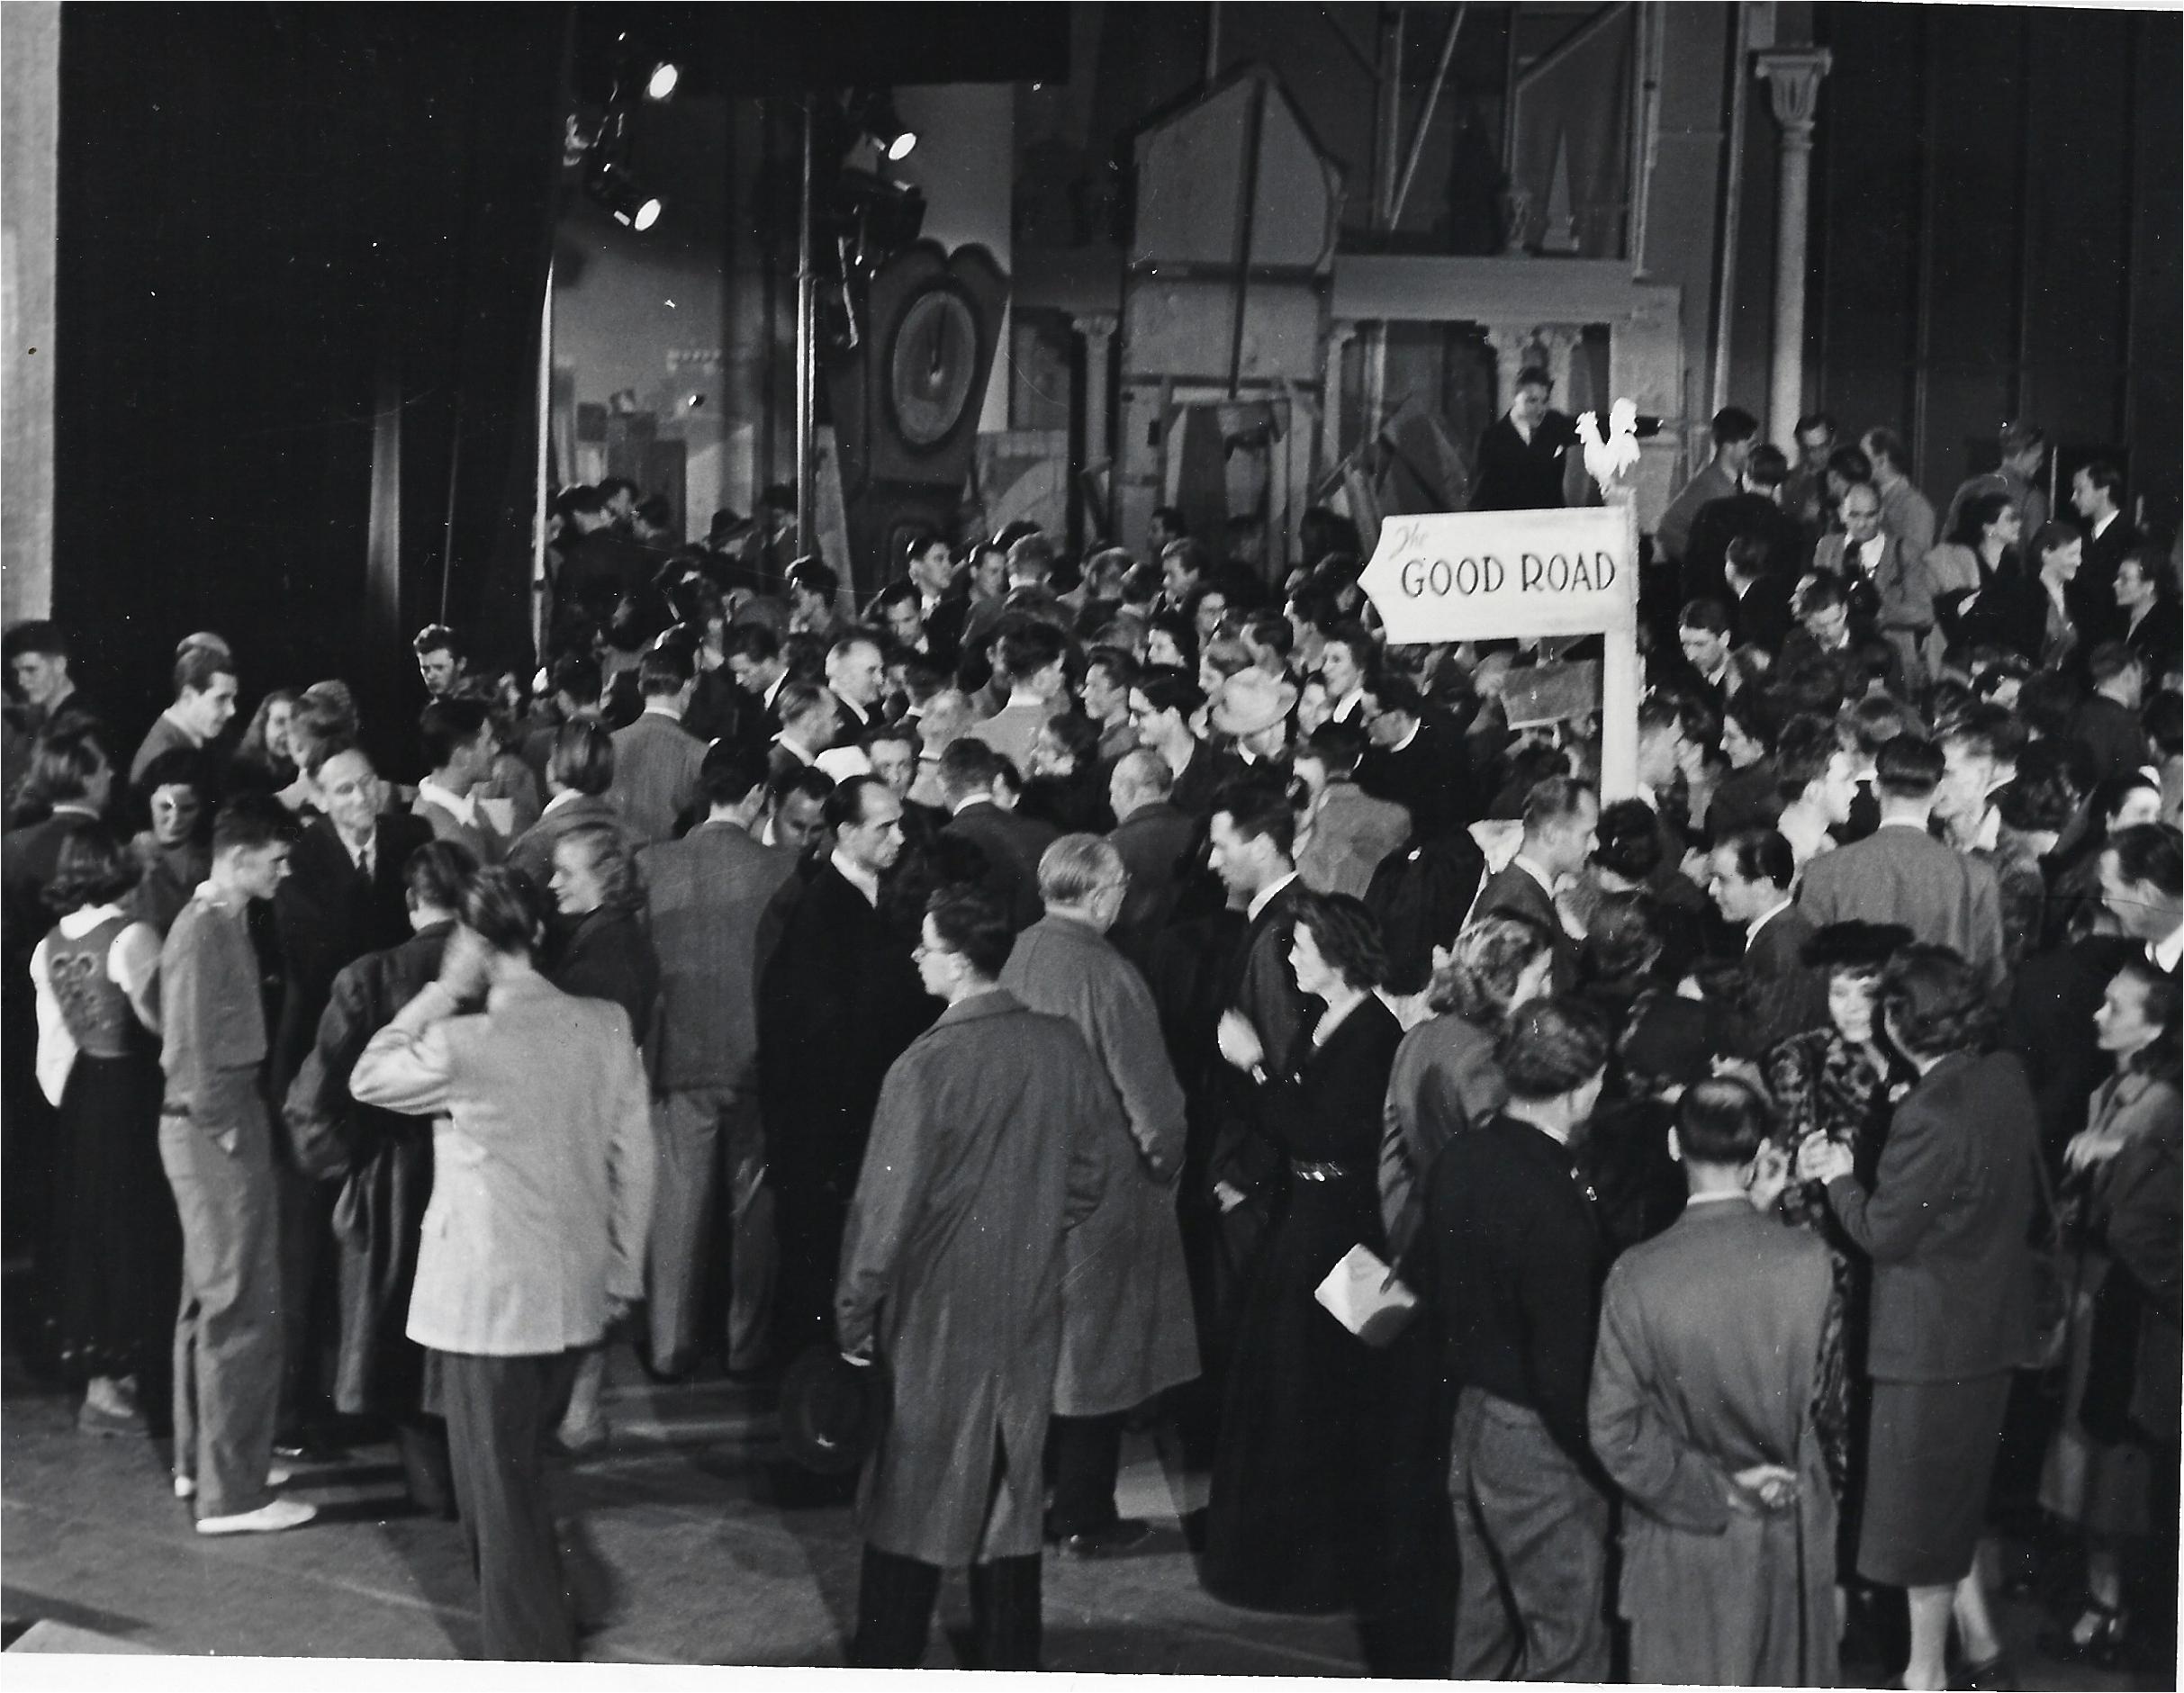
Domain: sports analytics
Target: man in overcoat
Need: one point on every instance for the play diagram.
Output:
(1717, 1340)
(983, 1152)
(1127, 1329)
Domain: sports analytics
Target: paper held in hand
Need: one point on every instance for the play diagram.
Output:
(1365, 1297)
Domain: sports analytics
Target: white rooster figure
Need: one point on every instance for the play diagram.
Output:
(1611, 461)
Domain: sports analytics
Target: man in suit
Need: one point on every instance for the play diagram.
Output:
(838, 1002)
(38, 663)
(1415, 760)
(345, 895)
(2097, 494)
(2142, 884)
(1007, 842)
(1344, 832)
(758, 668)
(1885, 580)
(1561, 816)
(1028, 653)
(1707, 1409)
(943, 599)
(459, 747)
(857, 675)
(1733, 431)
(1521, 458)
(1512, 1256)
(535, 1237)
(1126, 1330)
(1154, 838)
(1753, 873)
(204, 702)
(1907, 515)
(2107, 726)
(1900, 874)
(812, 719)
(1758, 598)
(655, 758)
(1753, 512)
(714, 922)
(1162, 703)
(580, 773)
(983, 1160)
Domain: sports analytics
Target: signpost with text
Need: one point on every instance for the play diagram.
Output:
(1497, 575)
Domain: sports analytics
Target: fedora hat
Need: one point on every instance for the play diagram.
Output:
(1251, 702)
(832, 1410)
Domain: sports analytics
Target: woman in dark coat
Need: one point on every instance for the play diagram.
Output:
(603, 950)
(1294, 1520)
(1945, 1222)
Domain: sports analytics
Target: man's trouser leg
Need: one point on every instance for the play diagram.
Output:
(1524, 1506)
(498, 1411)
(895, 1599)
(752, 1249)
(228, 1336)
(1005, 1597)
(307, 1227)
(685, 1128)
(1087, 1455)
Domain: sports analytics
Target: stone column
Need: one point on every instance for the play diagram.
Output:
(1340, 333)
(1793, 80)
(1507, 342)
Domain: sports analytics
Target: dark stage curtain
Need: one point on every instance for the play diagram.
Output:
(275, 223)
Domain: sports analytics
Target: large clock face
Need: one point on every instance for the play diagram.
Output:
(931, 365)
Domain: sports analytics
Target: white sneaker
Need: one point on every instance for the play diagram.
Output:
(185, 1486)
(266, 1519)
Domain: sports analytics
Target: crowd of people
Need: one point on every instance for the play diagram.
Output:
(1127, 993)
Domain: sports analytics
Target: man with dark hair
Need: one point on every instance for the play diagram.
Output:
(2107, 726)
(216, 1143)
(1185, 566)
(1758, 595)
(204, 702)
(540, 1099)
(1512, 1256)
(1734, 431)
(814, 598)
(756, 662)
(2141, 885)
(1523, 457)
(1415, 759)
(1008, 842)
(2096, 495)
(1900, 874)
(1110, 673)
(810, 717)
(1561, 818)
(837, 1003)
(1754, 511)
(1754, 874)
(1907, 515)
(459, 749)
(982, 1157)
(715, 921)
(1167, 526)
(38, 664)
(439, 658)
(574, 683)
(796, 816)
(1804, 496)
(655, 758)
(943, 597)
(1707, 1408)
(1028, 659)
(1162, 703)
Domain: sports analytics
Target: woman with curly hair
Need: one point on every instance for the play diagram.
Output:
(264, 762)
(96, 978)
(1294, 1523)
(1945, 1219)
(1445, 1078)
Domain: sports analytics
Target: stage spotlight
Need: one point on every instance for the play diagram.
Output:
(616, 190)
(660, 83)
(874, 115)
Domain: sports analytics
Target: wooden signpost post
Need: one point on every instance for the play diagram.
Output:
(1497, 575)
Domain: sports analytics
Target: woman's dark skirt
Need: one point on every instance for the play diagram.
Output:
(1930, 1460)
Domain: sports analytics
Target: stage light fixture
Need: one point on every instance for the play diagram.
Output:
(616, 190)
(660, 83)
(872, 114)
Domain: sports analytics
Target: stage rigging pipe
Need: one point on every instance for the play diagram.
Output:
(1425, 118)
(806, 351)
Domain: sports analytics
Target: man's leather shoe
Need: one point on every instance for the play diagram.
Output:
(1108, 1540)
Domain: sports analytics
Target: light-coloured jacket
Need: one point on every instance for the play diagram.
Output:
(542, 1163)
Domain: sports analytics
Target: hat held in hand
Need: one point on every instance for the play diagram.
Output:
(832, 1410)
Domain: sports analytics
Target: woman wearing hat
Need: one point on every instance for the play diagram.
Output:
(1252, 712)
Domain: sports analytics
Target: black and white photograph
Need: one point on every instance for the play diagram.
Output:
(1246, 838)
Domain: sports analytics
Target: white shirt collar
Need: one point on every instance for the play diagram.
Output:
(559, 800)
(857, 876)
(2101, 523)
(2166, 953)
(796, 748)
(1416, 724)
(1259, 899)
(82, 922)
(660, 705)
(462, 807)
(1764, 919)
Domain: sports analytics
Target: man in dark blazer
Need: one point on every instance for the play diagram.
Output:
(1523, 457)
(1008, 841)
(1900, 874)
(1752, 512)
(715, 921)
(838, 1002)
(1561, 815)
(2097, 494)
(1759, 598)
(345, 895)
(1513, 1256)
(1155, 839)
(1416, 761)
(1781, 996)
(1162, 703)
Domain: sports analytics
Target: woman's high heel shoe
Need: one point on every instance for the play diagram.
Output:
(2100, 1636)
